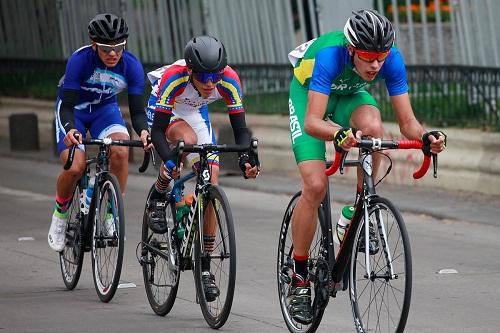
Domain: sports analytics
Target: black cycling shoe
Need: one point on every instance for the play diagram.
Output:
(209, 287)
(299, 300)
(156, 216)
(373, 243)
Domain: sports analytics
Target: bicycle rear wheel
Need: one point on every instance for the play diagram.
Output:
(221, 256)
(107, 237)
(285, 268)
(381, 303)
(71, 257)
(161, 275)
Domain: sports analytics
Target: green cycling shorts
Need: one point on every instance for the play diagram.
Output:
(339, 110)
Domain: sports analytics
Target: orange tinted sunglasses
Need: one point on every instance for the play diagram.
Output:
(370, 56)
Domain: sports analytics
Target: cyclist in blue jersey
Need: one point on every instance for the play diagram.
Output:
(328, 101)
(94, 75)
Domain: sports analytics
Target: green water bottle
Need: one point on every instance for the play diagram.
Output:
(182, 209)
(343, 224)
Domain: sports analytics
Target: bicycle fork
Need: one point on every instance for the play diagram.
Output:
(379, 221)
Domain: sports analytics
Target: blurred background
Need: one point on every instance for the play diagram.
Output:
(451, 47)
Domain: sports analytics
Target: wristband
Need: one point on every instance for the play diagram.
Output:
(334, 135)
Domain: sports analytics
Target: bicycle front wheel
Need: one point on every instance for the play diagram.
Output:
(215, 255)
(381, 302)
(160, 262)
(285, 264)
(107, 237)
(71, 257)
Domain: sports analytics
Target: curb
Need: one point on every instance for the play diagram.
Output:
(470, 163)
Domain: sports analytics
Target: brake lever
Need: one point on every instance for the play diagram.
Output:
(153, 158)
(344, 156)
(435, 164)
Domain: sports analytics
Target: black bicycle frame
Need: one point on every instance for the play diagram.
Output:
(340, 262)
(192, 226)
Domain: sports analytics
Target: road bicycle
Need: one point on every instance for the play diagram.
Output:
(373, 260)
(182, 247)
(98, 227)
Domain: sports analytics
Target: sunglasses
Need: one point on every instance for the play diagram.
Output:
(106, 48)
(370, 56)
(205, 77)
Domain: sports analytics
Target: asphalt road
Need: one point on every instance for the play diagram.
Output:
(33, 297)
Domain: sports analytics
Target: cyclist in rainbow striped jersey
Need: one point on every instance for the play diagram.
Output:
(178, 109)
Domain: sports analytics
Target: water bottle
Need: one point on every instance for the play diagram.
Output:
(182, 209)
(88, 195)
(343, 224)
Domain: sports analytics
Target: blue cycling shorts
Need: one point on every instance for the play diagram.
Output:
(100, 120)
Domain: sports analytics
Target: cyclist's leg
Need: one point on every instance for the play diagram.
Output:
(66, 182)
(360, 110)
(200, 124)
(67, 179)
(310, 157)
(107, 121)
(176, 130)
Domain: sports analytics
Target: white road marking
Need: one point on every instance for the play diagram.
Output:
(126, 285)
(24, 239)
(27, 194)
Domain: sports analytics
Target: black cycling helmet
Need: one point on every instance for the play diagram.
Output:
(107, 28)
(368, 30)
(205, 54)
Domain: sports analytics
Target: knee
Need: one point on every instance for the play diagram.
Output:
(190, 138)
(76, 170)
(374, 129)
(315, 189)
(119, 154)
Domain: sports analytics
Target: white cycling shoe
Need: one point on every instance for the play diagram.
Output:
(57, 232)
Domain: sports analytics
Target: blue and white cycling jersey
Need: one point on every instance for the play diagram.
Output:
(97, 109)
(97, 83)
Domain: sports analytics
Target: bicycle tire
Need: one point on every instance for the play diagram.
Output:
(71, 257)
(217, 312)
(375, 301)
(161, 278)
(285, 266)
(107, 250)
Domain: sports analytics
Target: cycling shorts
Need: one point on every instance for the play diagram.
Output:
(101, 121)
(339, 110)
(196, 118)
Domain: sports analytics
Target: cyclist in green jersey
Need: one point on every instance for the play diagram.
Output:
(328, 102)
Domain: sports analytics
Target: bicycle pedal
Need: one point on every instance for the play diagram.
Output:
(286, 275)
(100, 244)
(284, 278)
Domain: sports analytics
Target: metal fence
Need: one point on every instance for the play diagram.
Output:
(463, 96)
(259, 34)
(447, 32)
(441, 95)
